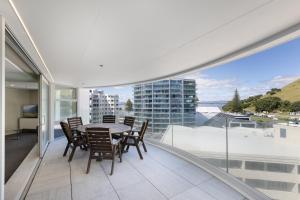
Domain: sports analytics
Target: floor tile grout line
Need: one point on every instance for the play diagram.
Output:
(71, 181)
(211, 177)
(136, 168)
(147, 180)
(194, 186)
(71, 186)
(173, 171)
(184, 177)
(110, 182)
(206, 191)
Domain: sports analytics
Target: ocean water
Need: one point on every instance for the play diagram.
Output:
(218, 104)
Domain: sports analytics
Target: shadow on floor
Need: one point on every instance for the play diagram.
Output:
(58, 133)
(16, 149)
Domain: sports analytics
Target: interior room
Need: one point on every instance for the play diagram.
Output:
(21, 111)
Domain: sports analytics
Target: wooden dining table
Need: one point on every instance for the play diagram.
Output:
(114, 129)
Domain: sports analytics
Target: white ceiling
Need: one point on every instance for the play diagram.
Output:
(139, 40)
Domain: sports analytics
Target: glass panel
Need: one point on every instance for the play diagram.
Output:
(44, 136)
(65, 93)
(242, 120)
(65, 107)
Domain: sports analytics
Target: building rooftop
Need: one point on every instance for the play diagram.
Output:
(241, 141)
(208, 109)
(161, 175)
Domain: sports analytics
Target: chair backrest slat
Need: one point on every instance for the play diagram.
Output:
(74, 122)
(100, 140)
(143, 129)
(67, 131)
(109, 119)
(129, 121)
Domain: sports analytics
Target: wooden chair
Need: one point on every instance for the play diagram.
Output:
(102, 146)
(136, 138)
(73, 140)
(109, 119)
(74, 122)
(129, 121)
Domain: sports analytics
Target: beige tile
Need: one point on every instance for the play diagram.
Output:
(124, 174)
(160, 175)
(219, 190)
(169, 183)
(59, 193)
(193, 174)
(141, 190)
(93, 189)
(193, 194)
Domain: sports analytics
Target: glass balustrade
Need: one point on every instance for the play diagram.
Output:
(262, 152)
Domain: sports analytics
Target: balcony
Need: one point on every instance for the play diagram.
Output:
(161, 175)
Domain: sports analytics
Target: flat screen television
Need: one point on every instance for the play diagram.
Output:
(30, 110)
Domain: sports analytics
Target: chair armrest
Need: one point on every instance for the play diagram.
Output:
(77, 137)
(135, 129)
(116, 142)
(132, 136)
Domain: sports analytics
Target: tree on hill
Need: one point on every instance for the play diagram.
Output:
(268, 104)
(235, 105)
(285, 106)
(128, 105)
(273, 91)
(250, 101)
(295, 107)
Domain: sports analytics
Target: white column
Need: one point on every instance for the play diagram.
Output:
(2, 105)
(83, 104)
(51, 111)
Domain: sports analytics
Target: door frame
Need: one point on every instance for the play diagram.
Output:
(41, 118)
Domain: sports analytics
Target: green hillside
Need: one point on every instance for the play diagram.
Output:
(290, 92)
(284, 100)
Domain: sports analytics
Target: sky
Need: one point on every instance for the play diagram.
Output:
(252, 75)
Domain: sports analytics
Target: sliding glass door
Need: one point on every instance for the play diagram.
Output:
(65, 106)
(44, 115)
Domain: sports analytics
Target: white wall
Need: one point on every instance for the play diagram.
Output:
(292, 134)
(2, 105)
(83, 104)
(14, 100)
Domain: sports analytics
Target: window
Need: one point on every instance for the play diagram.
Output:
(282, 132)
(270, 185)
(65, 103)
(236, 164)
(254, 165)
(270, 167)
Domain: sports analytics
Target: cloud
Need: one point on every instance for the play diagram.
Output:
(210, 89)
(280, 81)
(118, 87)
(264, 86)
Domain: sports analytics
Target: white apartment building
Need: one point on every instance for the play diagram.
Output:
(102, 104)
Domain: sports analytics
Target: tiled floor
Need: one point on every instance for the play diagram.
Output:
(160, 175)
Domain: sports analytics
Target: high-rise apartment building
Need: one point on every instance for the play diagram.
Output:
(165, 102)
(102, 104)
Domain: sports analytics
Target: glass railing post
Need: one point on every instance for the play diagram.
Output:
(226, 125)
(172, 137)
